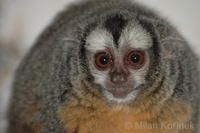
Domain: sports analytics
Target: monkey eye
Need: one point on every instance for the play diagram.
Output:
(135, 58)
(102, 60)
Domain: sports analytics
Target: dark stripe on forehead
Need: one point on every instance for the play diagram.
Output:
(115, 25)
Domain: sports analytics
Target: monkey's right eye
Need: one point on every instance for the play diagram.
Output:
(102, 60)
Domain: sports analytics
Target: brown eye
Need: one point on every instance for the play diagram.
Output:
(103, 60)
(135, 58)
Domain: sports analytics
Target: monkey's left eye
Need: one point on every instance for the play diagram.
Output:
(135, 58)
(102, 60)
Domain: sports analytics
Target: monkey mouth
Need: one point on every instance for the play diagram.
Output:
(120, 93)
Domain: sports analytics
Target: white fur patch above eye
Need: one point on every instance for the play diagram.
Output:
(99, 40)
(136, 38)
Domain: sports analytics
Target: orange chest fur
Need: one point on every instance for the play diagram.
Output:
(85, 119)
(98, 122)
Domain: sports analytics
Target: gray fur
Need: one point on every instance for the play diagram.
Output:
(57, 63)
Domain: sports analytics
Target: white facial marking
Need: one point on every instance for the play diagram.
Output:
(136, 38)
(129, 98)
(99, 40)
(99, 76)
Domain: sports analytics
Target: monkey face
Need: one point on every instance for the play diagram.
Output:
(119, 66)
(122, 67)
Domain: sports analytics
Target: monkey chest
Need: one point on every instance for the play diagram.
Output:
(87, 120)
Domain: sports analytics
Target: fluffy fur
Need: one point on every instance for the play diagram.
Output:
(56, 89)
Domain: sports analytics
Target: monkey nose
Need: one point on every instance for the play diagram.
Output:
(118, 79)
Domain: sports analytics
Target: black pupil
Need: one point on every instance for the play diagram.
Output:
(135, 58)
(104, 59)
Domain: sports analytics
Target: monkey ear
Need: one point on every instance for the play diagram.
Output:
(167, 37)
(167, 54)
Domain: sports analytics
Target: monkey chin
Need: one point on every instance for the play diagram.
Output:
(121, 96)
(120, 93)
